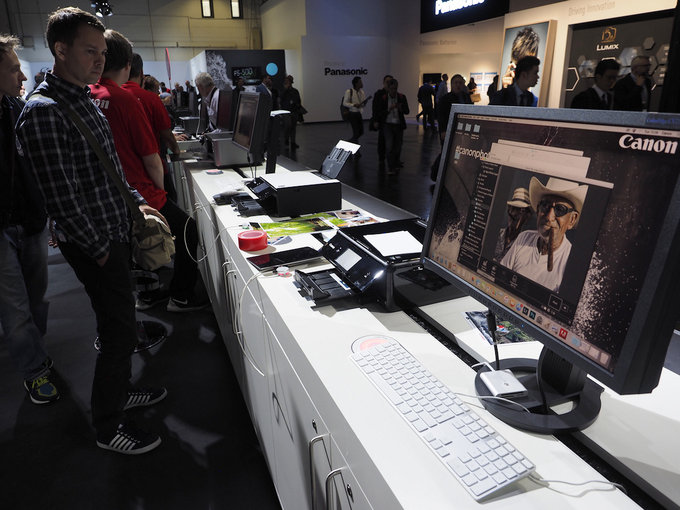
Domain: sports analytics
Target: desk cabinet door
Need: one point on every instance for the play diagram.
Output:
(251, 346)
(211, 264)
(342, 487)
(301, 440)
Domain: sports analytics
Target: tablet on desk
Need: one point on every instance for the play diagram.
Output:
(284, 258)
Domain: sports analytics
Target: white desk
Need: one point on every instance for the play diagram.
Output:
(317, 416)
(637, 434)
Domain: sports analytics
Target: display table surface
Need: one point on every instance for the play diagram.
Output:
(391, 464)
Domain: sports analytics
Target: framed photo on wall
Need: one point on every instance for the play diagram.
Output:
(537, 39)
(621, 39)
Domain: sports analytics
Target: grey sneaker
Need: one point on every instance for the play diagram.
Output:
(185, 304)
(138, 397)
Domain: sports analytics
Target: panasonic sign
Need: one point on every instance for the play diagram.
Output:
(444, 6)
(647, 144)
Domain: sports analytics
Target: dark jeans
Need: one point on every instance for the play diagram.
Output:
(186, 270)
(394, 136)
(289, 130)
(110, 292)
(357, 123)
(381, 145)
(428, 117)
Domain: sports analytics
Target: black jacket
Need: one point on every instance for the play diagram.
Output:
(589, 100)
(381, 105)
(290, 100)
(628, 95)
(20, 199)
(444, 107)
(508, 97)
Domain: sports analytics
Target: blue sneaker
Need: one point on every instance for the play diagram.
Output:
(41, 390)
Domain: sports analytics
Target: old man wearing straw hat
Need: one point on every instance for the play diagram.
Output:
(542, 254)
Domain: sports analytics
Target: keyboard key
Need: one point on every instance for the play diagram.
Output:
(469, 479)
(483, 486)
(420, 425)
(499, 477)
(458, 467)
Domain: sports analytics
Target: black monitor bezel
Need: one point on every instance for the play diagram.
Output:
(256, 140)
(641, 362)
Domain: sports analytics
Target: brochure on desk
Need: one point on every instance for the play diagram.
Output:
(314, 223)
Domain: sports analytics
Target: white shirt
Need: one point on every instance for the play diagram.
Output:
(524, 258)
(353, 96)
(392, 114)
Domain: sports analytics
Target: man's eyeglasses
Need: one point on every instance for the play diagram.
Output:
(544, 207)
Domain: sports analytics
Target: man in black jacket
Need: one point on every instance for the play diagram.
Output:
(459, 95)
(599, 96)
(390, 111)
(633, 92)
(374, 124)
(23, 243)
(518, 94)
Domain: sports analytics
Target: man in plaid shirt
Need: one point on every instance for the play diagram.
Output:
(91, 218)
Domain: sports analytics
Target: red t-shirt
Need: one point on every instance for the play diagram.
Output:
(156, 114)
(132, 136)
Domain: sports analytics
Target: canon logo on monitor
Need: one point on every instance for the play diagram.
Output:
(647, 144)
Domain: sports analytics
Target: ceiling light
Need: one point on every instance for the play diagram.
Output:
(102, 8)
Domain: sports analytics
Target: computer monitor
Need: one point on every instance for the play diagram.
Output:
(590, 203)
(225, 116)
(251, 124)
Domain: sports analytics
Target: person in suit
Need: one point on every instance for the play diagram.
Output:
(633, 92)
(518, 94)
(267, 90)
(425, 97)
(599, 96)
(390, 111)
(374, 125)
(290, 100)
(459, 95)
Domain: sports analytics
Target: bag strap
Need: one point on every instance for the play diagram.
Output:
(101, 154)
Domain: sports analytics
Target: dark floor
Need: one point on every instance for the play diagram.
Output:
(209, 458)
(411, 189)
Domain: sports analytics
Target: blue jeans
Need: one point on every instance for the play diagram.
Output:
(23, 311)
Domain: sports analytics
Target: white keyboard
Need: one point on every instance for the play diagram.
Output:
(480, 458)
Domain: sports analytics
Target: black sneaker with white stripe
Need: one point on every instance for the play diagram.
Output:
(138, 397)
(130, 440)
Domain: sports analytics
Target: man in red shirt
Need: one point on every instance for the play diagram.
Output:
(157, 115)
(138, 151)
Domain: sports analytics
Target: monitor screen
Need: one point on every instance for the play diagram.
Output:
(225, 118)
(251, 123)
(566, 224)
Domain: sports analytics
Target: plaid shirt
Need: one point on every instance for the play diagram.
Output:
(80, 197)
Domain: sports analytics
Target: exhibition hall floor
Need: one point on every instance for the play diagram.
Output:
(209, 458)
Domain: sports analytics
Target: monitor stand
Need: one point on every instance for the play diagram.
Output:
(550, 381)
